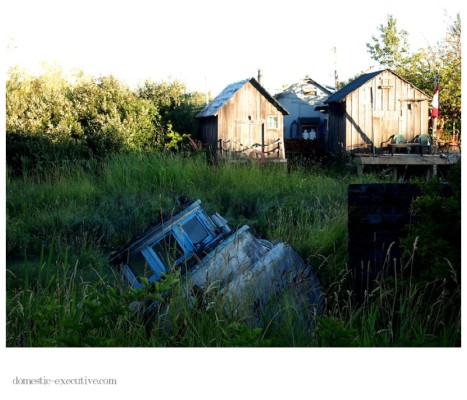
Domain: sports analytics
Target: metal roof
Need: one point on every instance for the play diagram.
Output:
(349, 88)
(297, 87)
(214, 106)
(361, 80)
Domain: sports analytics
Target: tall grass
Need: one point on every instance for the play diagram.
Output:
(62, 227)
(76, 209)
(400, 310)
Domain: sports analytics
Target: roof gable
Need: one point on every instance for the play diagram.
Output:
(214, 106)
(299, 88)
(360, 81)
(350, 87)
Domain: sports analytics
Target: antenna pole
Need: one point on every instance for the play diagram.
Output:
(336, 77)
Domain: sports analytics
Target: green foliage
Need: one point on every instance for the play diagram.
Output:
(49, 119)
(39, 105)
(176, 107)
(59, 308)
(390, 49)
(399, 311)
(70, 297)
(332, 333)
(438, 230)
(450, 67)
(239, 335)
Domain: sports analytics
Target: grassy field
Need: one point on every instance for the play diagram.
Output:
(63, 225)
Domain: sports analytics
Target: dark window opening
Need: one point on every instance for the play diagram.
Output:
(168, 250)
(140, 267)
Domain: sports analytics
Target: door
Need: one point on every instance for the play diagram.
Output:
(248, 136)
(385, 124)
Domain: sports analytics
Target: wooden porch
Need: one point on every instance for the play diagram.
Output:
(430, 162)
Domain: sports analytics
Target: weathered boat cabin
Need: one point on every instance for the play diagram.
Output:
(369, 110)
(244, 120)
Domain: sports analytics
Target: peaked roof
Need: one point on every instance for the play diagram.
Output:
(214, 106)
(350, 87)
(324, 88)
(361, 80)
(304, 82)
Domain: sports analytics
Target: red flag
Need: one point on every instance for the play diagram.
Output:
(434, 103)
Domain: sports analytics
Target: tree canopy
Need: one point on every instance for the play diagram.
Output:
(423, 67)
(93, 117)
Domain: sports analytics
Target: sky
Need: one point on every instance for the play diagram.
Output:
(209, 44)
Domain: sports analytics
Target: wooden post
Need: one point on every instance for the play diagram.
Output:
(428, 174)
(372, 122)
(360, 169)
(435, 106)
(262, 137)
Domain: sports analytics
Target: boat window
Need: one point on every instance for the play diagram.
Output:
(168, 250)
(140, 266)
(195, 231)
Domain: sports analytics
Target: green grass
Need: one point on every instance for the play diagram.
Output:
(63, 225)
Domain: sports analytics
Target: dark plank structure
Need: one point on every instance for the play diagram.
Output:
(377, 217)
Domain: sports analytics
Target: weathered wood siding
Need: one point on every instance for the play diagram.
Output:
(243, 118)
(383, 106)
(337, 126)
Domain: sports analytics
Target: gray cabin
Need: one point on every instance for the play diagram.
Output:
(301, 99)
(244, 120)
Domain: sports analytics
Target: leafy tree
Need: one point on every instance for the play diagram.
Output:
(175, 105)
(50, 118)
(40, 119)
(450, 52)
(112, 117)
(39, 105)
(391, 48)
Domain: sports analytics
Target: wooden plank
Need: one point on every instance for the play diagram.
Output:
(409, 159)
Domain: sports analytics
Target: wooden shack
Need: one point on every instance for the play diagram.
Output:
(244, 120)
(367, 111)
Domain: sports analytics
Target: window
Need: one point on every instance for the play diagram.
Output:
(168, 250)
(144, 264)
(195, 231)
(140, 267)
(273, 122)
(173, 247)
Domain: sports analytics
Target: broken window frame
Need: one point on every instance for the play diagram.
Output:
(184, 241)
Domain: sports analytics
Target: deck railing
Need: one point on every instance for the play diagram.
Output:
(233, 148)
